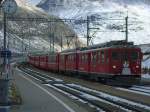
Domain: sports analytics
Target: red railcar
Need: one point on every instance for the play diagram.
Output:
(71, 62)
(53, 62)
(107, 64)
(116, 60)
(84, 62)
(36, 61)
(42, 61)
(31, 60)
(62, 62)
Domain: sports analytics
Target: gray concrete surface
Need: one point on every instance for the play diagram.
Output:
(35, 96)
(4, 108)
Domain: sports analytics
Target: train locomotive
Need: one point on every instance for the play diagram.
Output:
(115, 62)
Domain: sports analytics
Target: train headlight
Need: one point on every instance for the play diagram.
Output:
(114, 66)
(137, 66)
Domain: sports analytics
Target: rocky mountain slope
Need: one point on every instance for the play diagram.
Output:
(34, 34)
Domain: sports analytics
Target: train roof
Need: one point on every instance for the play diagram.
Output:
(111, 44)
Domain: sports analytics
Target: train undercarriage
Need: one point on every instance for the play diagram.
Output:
(109, 79)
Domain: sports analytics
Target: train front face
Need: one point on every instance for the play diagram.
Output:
(125, 61)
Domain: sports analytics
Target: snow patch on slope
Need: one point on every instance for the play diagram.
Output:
(138, 12)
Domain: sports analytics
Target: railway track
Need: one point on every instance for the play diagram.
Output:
(141, 89)
(145, 90)
(99, 100)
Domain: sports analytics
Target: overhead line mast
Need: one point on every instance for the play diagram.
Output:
(126, 32)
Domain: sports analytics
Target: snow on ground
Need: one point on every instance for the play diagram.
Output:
(146, 63)
(114, 98)
(140, 89)
(147, 76)
(90, 97)
(133, 91)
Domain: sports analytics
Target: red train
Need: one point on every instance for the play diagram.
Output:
(115, 62)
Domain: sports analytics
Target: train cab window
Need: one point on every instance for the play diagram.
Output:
(115, 55)
(134, 55)
(125, 56)
(102, 56)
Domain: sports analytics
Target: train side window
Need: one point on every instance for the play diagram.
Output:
(91, 57)
(107, 57)
(99, 57)
(80, 58)
(83, 58)
(115, 55)
(62, 58)
(70, 58)
(94, 58)
(86, 58)
(103, 56)
(73, 57)
(134, 55)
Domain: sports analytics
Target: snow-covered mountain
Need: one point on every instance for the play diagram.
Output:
(34, 35)
(137, 10)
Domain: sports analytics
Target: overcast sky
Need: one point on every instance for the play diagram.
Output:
(34, 2)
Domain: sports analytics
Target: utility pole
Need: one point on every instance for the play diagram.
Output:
(50, 43)
(22, 44)
(5, 46)
(126, 32)
(53, 42)
(8, 8)
(88, 31)
(68, 42)
(88, 24)
(76, 42)
(61, 43)
(22, 40)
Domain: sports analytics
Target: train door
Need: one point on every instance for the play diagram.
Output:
(116, 61)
